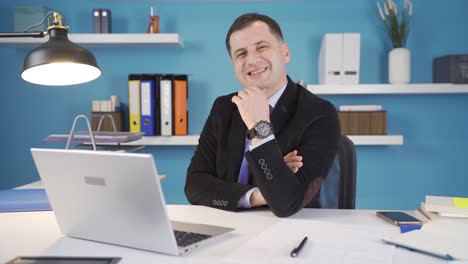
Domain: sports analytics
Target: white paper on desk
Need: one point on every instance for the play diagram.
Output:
(328, 243)
(440, 236)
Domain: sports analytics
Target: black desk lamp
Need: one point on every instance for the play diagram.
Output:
(58, 61)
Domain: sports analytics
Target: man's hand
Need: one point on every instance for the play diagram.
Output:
(253, 106)
(293, 161)
(257, 199)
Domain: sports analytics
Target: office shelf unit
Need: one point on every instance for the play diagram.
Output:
(192, 140)
(385, 89)
(375, 89)
(105, 40)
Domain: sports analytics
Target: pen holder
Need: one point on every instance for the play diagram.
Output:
(153, 26)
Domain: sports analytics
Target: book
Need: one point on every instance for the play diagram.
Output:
(446, 205)
(24, 200)
(443, 238)
(426, 216)
(360, 108)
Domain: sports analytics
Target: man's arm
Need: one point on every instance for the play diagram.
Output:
(204, 186)
(286, 192)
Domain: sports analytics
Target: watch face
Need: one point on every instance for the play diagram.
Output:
(263, 129)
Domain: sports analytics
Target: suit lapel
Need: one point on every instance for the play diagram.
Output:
(284, 108)
(236, 140)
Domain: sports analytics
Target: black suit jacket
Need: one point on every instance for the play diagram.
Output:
(301, 121)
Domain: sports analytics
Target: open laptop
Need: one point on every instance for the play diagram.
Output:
(116, 198)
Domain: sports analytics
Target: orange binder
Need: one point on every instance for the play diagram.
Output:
(180, 115)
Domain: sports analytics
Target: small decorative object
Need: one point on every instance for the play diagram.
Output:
(397, 28)
(153, 26)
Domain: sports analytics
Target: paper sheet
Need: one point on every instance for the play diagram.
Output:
(441, 236)
(328, 243)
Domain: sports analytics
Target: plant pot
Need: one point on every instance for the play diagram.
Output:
(399, 66)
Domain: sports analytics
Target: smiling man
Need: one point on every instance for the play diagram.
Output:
(270, 144)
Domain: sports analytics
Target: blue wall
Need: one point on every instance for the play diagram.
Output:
(431, 161)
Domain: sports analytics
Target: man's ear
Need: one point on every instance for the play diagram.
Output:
(286, 53)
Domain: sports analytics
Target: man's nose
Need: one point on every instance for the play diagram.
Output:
(253, 57)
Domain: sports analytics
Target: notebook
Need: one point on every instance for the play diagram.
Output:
(116, 198)
(23, 200)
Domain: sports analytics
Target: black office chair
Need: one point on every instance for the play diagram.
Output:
(339, 187)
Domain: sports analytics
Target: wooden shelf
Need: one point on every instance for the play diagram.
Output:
(192, 140)
(105, 40)
(419, 88)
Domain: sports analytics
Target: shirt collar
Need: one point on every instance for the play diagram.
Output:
(274, 98)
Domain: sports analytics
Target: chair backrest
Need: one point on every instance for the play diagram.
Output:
(339, 187)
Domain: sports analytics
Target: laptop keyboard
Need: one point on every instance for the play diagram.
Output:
(187, 238)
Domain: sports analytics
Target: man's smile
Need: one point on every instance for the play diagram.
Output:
(257, 71)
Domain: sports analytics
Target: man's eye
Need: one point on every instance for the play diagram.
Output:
(262, 47)
(240, 55)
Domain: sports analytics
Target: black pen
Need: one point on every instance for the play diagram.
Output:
(296, 251)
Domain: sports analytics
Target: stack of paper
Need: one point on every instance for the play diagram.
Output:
(440, 206)
(447, 205)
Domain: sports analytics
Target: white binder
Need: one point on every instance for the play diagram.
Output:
(330, 59)
(339, 58)
(166, 108)
(351, 58)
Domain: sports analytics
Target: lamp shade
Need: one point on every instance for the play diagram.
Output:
(59, 62)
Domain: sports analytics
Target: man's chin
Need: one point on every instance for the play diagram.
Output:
(257, 83)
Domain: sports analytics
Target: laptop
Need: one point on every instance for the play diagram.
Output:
(116, 198)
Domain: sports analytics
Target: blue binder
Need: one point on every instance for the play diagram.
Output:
(24, 200)
(147, 104)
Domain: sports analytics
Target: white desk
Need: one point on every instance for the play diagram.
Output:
(37, 233)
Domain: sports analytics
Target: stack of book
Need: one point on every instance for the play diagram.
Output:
(157, 104)
(106, 112)
(435, 207)
(362, 120)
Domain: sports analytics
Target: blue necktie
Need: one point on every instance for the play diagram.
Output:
(244, 169)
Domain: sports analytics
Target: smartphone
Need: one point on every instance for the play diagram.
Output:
(397, 218)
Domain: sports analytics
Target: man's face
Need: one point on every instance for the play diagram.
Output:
(258, 57)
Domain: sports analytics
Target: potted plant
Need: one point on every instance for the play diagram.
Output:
(397, 28)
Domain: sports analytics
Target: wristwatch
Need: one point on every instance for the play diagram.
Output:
(262, 130)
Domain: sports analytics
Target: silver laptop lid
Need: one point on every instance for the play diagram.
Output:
(110, 197)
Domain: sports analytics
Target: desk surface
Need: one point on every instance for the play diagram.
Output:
(37, 233)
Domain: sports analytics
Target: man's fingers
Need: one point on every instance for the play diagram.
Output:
(236, 99)
(293, 158)
(243, 94)
(297, 164)
(292, 153)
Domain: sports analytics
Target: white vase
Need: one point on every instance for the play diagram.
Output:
(399, 66)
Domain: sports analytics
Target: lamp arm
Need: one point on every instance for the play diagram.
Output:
(37, 34)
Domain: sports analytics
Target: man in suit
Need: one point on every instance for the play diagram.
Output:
(300, 126)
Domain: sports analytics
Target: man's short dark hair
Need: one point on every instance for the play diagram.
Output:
(248, 19)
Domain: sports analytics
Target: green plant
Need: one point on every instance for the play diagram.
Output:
(397, 30)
